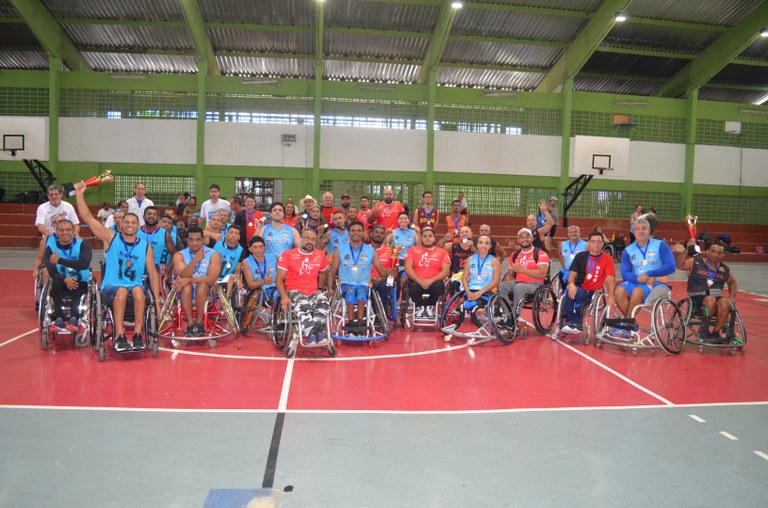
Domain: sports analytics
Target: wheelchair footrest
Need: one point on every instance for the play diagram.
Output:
(621, 323)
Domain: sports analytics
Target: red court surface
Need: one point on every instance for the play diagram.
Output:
(412, 371)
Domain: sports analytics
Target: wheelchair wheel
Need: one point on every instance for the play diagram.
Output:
(597, 316)
(380, 314)
(38, 288)
(610, 250)
(405, 320)
(453, 313)
(229, 313)
(43, 307)
(502, 319)
(668, 326)
(249, 313)
(736, 331)
(281, 324)
(98, 338)
(150, 324)
(166, 313)
(686, 309)
(544, 309)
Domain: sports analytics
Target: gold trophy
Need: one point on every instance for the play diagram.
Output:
(691, 220)
(105, 177)
(395, 251)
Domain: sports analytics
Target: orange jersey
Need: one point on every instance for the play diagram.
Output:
(426, 219)
(427, 263)
(455, 225)
(387, 216)
(385, 256)
(525, 259)
(362, 216)
(302, 269)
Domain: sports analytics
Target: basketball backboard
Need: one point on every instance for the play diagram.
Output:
(595, 155)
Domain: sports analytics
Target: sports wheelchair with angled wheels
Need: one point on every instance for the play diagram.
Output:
(218, 321)
(374, 328)
(46, 312)
(253, 308)
(542, 304)
(288, 335)
(102, 322)
(408, 315)
(490, 315)
(734, 330)
(591, 314)
(657, 323)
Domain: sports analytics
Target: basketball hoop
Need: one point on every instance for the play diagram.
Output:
(13, 143)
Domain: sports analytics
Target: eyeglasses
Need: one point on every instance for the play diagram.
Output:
(597, 241)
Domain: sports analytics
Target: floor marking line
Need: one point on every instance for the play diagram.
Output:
(33, 330)
(761, 454)
(617, 374)
(274, 447)
(286, 386)
(728, 435)
(700, 420)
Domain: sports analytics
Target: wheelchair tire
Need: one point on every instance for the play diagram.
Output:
(736, 329)
(500, 316)
(668, 326)
(381, 314)
(281, 327)
(226, 307)
(610, 250)
(453, 313)
(405, 303)
(45, 334)
(98, 340)
(686, 309)
(42, 310)
(249, 313)
(544, 309)
(597, 316)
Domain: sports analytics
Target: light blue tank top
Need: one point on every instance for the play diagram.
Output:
(480, 271)
(649, 255)
(405, 239)
(278, 241)
(72, 253)
(229, 257)
(165, 258)
(156, 239)
(355, 264)
(260, 271)
(337, 239)
(569, 251)
(201, 268)
(124, 264)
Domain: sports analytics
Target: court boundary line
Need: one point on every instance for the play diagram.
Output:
(383, 411)
(33, 330)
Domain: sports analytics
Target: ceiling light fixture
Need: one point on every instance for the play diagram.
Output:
(620, 17)
(754, 111)
(630, 103)
(762, 101)
(457, 4)
(764, 32)
(260, 81)
(511, 95)
(128, 76)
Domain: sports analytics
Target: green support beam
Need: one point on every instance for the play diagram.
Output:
(439, 41)
(318, 95)
(719, 54)
(54, 106)
(197, 29)
(577, 54)
(202, 77)
(565, 134)
(429, 180)
(691, 121)
(50, 35)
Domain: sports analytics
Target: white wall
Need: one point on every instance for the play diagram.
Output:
(247, 144)
(373, 149)
(35, 131)
(755, 167)
(127, 140)
(502, 154)
(719, 165)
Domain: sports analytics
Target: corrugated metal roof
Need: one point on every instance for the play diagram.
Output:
(23, 60)
(262, 41)
(265, 12)
(659, 37)
(634, 65)
(572, 5)
(148, 10)
(712, 12)
(7, 10)
(758, 50)
(483, 78)
(354, 13)
(366, 71)
(269, 67)
(130, 37)
(517, 25)
(582, 84)
(734, 73)
(376, 46)
(129, 62)
(731, 95)
(17, 35)
(501, 54)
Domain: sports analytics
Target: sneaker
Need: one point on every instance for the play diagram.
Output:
(72, 325)
(620, 333)
(137, 342)
(198, 330)
(121, 344)
(190, 331)
(570, 328)
(430, 312)
(59, 324)
(419, 313)
(321, 339)
(311, 338)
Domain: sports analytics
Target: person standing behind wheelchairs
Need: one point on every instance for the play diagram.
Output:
(528, 268)
(197, 268)
(301, 271)
(589, 271)
(126, 259)
(68, 261)
(707, 276)
(427, 267)
(353, 262)
(482, 273)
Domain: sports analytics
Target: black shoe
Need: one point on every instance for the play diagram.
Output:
(190, 331)
(198, 330)
(138, 342)
(121, 344)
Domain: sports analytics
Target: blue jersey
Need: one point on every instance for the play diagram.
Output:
(165, 257)
(261, 271)
(643, 260)
(124, 263)
(201, 268)
(355, 264)
(278, 241)
(51, 240)
(229, 257)
(480, 271)
(156, 239)
(336, 240)
(73, 252)
(569, 251)
(405, 239)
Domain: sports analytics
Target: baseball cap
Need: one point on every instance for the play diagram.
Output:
(553, 197)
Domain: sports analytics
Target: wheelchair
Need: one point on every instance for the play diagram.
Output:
(46, 312)
(733, 328)
(490, 317)
(376, 323)
(253, 309)
(102, 322)
(219, 318)
(543, 305)
(591, 315)
(287, 333)
(665, 329)
(408, 319)
(38, 288)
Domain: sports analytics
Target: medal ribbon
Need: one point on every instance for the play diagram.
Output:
(352, 252)
(712, 274)
(643, 252)
(129, 253)
(481, 262)
(456, 222)
(572, 247)
(262, 271)
(591, 264)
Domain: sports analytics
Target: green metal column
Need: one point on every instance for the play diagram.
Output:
(54, 106)
(690, 150)
(319, 67)
(202, 71)
(565, 133)
(429, 181)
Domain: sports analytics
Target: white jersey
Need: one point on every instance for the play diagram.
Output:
(46, 211)
(138, 208)
(210, 209)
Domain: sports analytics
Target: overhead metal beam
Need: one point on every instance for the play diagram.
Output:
(529, 10)
(196, 26)
(676, 24)
(577, 54)
(504, 40)
(719, 54)
(50, 35)
(438, 42)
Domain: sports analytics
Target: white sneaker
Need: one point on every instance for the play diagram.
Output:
(430, 312)
(419, 313)
(570, 329)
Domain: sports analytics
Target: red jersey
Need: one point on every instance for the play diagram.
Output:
(385, 256)
(454, 225)
(427, 263)
(327, 213)
(387, 216)
(525, 259)
(426, 219)
(362, 216)
(290, 221)
(302, 269)
(592, 271)
(252, 223)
